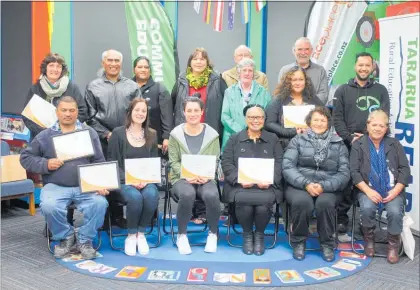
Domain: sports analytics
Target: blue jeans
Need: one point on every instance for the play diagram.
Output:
(141, 205)
(54, 202)
(394, 213)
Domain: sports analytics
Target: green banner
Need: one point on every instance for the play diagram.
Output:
(151, 34)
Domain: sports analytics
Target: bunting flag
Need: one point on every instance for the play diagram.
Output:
(218, 15)
(231, 14)
(207, 11)
(259, 5)
(245, 11)
(197, 6)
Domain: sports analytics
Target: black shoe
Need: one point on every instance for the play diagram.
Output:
(248, 243)
(65, 246)
(259, 247)
(327, 254)
(299, 251)
(342, 228)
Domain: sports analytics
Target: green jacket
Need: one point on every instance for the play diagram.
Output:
(233, 119)
(178, 146)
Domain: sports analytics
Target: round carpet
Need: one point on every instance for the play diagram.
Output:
(229, 266)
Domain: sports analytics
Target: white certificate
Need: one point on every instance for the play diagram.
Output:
(73, 145)
(256, 170)
(138, 170)
(193, 166)
(40, 112)
(294, 116)
(96, 176)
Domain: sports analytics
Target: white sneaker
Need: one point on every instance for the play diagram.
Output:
(142, 245)
(211, 244)
(183, 244)
(130, 245)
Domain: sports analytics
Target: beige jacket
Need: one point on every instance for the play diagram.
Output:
(231, 77)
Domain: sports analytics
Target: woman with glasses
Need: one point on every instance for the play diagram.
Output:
(253, 202)
(246, 91)
(158, 100)
(295, 89)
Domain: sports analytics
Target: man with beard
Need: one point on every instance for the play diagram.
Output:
(352, 104)
(302, 50)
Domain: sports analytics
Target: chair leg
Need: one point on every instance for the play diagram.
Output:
(47, 231)
(32, 204)
(353, 227)
(165, 212)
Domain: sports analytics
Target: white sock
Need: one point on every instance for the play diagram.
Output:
(183, 244)
(211, 244)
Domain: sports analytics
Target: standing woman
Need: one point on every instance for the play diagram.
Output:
(135, 140)
(200, 78)
(53, 84)
(158, 100)
(294, 89)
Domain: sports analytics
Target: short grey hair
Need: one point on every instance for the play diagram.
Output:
(302, 39)
(105, 54)
(245, 62)
(241, 47)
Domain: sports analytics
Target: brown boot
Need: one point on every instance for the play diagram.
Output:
(394, 243)
(369, 239)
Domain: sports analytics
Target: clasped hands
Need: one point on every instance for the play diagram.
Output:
(314, 189)
(377, 198)
(197, 180)
(260, 185)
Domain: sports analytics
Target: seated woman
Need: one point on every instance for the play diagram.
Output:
(246, 91)
(194, 137)
(136, 140)
(316, 171)
(379, 169)
(253, 202)
(294, 89)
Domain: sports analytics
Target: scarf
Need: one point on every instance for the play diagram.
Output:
(197, 82)
(379, 176)
(320, 143)
(53, 90)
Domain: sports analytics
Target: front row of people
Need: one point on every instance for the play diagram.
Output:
(315, 167)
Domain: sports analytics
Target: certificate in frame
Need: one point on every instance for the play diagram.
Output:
(73, 145)
(97, 176)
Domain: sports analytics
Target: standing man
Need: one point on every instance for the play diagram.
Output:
(231, 76)
(109, 96)
(302, 50)
(61, 183)
(352, 104)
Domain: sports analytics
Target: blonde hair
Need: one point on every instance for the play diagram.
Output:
(378, 114)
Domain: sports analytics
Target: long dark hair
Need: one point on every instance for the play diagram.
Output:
(284, 87)
(149, 133)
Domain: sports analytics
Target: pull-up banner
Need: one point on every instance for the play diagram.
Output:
(151, 35)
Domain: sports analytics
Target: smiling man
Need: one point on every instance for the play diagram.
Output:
(353, 103)
(302, 50)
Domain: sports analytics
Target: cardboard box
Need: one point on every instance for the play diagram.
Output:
(11, 170)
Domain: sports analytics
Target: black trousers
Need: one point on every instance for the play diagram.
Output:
(248, 215)
(302, 206)
(344, 205)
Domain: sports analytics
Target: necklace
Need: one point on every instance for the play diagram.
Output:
(138, 139)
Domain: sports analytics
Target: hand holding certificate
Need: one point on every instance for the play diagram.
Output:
(142, 170)
(255, 170)
(294, 116)
(99, 177)
(198, 166)
(74, 145)
(40, 112)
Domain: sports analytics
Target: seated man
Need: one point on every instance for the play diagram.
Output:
(61, 184)
(194, 137)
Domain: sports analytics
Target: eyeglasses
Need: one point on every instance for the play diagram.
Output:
(253, 118)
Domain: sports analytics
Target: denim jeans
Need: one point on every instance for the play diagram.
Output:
(394, 213)
(141, 205)
(54, 202)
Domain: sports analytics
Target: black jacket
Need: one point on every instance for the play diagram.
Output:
(72, 91)
(117, 148)
(213, 109)
(108, 103)
(352, 105)
(395, 157)
(274, 115)
(239, 145)
(160, 108)
(299, 167)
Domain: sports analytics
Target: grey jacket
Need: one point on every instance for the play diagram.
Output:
(213, 110)
(108, 102)
(318, 77)
(299, 168)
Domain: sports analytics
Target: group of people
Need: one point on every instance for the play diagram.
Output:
(229, 116)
